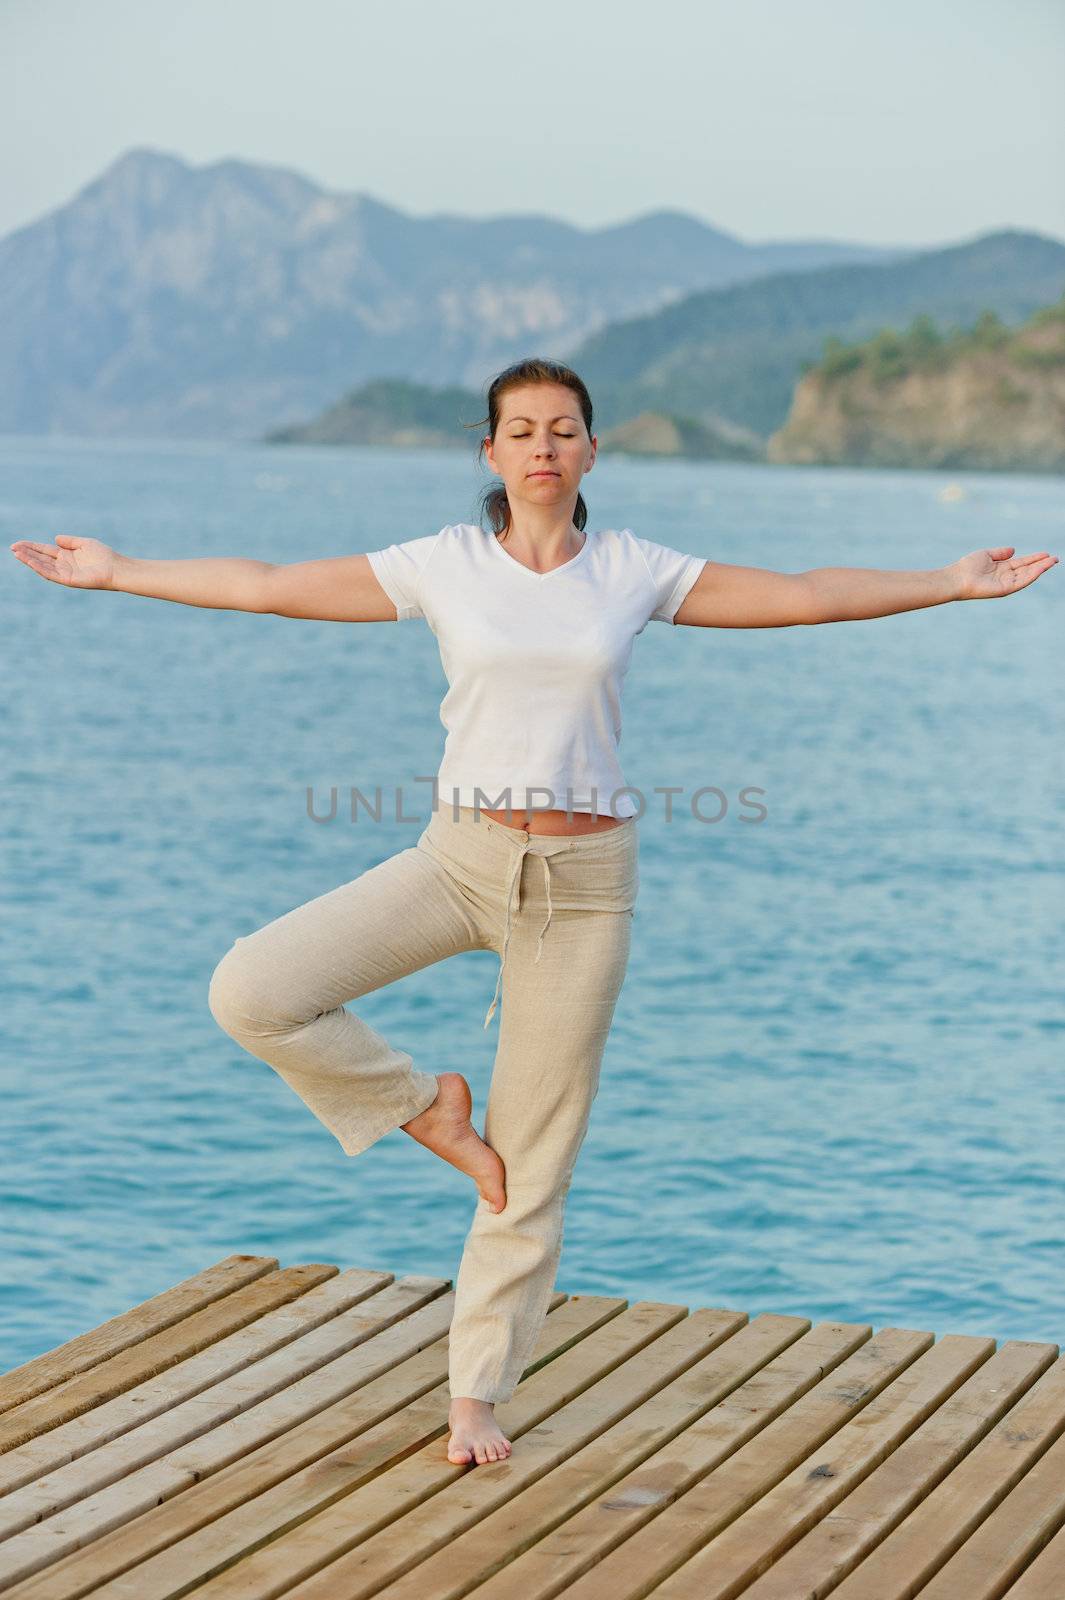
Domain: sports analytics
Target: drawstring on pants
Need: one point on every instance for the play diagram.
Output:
(515, 878)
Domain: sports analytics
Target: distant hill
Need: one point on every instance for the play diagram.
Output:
(658, 433)
(720, 394)
(986, 397)
(738, 352)
(228, 299)
(391, 411)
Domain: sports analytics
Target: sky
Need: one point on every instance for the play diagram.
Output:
(889, 122)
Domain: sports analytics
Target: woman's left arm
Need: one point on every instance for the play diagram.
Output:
(727, 596)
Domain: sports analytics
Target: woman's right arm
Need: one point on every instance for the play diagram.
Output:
(336, 589)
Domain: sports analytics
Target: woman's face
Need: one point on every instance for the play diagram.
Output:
(541, 449)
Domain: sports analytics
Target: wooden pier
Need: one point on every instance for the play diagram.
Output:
(257, 1431)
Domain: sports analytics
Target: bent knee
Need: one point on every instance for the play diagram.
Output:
(240, 1000)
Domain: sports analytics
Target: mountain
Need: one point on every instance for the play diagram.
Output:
(224, 300)
(738, 352)
(988, 397)
(731, 358)
(392, 411)
(659, 433)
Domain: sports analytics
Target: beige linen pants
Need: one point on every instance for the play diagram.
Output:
(562, 927)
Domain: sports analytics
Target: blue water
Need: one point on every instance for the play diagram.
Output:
(835, 1085)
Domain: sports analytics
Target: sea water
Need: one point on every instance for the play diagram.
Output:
(835, 1084)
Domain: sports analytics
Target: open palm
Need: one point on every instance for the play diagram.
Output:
(988, 574)
(78, 563)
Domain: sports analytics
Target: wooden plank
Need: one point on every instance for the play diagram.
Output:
(112, 1441)
(907, 1559)
(584, 1466)
(139, 1322)
(1009, 1539)
(731, 1556)
(386, 1381)
(449, 1498)
(746, 1445)
(482, 1523)
(1045, 1578)
(739, 1391)
(253, 1434)
(284, 1391)
(361, 1466)
(157, 1352)
(835, 1546)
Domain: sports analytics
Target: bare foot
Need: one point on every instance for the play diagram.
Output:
(475, 1433)
(446, 1129)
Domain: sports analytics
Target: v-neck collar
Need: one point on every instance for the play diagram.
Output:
(565, 567)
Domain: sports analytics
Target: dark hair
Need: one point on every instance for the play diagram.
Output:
(534, 369)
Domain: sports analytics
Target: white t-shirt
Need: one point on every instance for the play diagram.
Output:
(535, 662)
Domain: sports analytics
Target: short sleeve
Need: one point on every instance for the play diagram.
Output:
(398, 569)
(672, 574)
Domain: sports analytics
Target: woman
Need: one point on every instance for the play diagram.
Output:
(535, 620)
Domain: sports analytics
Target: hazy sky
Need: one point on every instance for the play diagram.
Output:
(883, 121)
